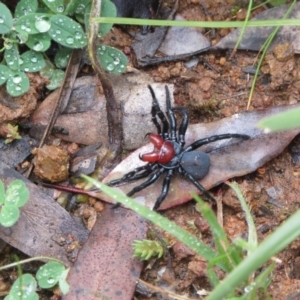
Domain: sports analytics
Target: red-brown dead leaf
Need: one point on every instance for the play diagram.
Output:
(105, 267)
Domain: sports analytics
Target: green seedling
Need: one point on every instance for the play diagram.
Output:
(12, 133)
(147, 249)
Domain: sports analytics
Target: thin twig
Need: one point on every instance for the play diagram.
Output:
(113, 108)
(162, 291)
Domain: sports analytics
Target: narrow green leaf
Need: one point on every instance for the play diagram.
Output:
(112, 59)
(39, 42)
(9, 215)
(25, 7)
(17, 84)
(32, 61)
(67, 32)
(56, 6)
(6, 20)
(283, 121)
(4, 73)
(17, 193)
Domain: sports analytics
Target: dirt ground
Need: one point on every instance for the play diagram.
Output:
(272, 191)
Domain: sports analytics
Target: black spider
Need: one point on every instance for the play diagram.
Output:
(169, 155)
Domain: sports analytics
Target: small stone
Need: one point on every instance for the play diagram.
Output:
(202, 225)
(182, 251)
(51, 163)
(98, 206)
(283, 52)
(198, 268)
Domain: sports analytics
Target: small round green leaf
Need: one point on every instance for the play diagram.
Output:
(62, 57)
(2, 193)
(39, 42)
(48, 70)
(9, 215)
(6, 20)
(25, 285)
(57, 6)
(32, 61)
(25, 7)
(76, 7)
(17, 84)
(12, 57)
(49, 274)
(67, 32)
(112, 59)
(17, 193)
(56, 79)
(108, 9)
(4, 73)
(33, 23)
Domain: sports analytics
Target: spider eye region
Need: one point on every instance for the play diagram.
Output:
(196, 163)
(163, 153)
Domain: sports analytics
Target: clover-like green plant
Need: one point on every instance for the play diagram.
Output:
(52, 273)
(15, 196)
(27, 35)
(47, 276)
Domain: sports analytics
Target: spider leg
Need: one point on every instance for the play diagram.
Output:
(165, 189)
(156, 111)
(191, 178)
(171, 116)
(146, 183)
(135, 175)
(183, 126)
(214, 138)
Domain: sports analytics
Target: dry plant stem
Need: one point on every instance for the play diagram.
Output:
(64, 95)
(162, 291)
(150, 61)
(113, 108)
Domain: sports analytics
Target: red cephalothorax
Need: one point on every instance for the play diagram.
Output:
(163, 152)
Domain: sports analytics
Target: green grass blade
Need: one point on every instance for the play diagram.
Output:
(282, 237)
(226, 252)
(188, 239)
(202, 24)
(252, 235)
(283, 121)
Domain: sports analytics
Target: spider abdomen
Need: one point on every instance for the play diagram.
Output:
(196, 163)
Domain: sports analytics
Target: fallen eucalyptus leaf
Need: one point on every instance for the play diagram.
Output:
(229, 158)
